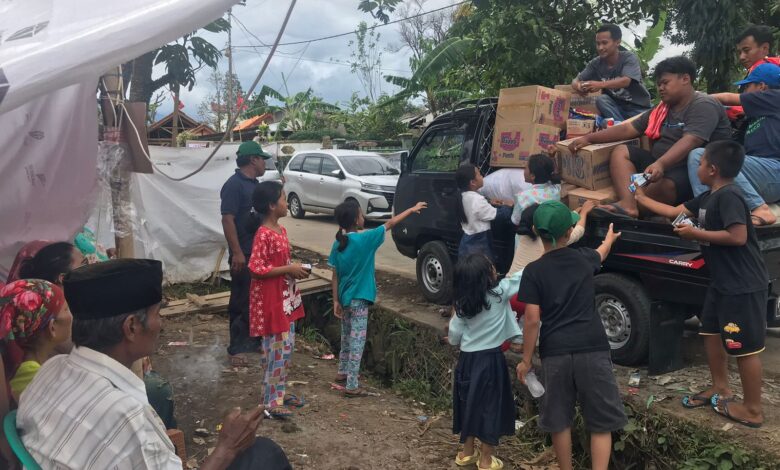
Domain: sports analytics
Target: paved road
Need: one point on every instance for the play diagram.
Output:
(317, 232)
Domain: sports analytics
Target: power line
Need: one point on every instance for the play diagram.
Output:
(295, 43)
(322, 61)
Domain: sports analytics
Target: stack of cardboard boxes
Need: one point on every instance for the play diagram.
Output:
(530, 119)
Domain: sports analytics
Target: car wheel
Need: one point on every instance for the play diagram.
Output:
(624, 308)
(295, 207)
(434, 272)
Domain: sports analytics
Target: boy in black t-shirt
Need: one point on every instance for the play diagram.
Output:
(734, 313)
(576, 364)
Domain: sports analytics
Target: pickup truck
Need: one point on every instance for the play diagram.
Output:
(649, 285)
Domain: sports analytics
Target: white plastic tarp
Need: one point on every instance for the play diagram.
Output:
(46, 45)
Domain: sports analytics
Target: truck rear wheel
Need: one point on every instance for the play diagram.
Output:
(624, 308)
(434, 272)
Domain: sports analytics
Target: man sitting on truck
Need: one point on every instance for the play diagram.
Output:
(759, 179)
(754, 46)
(617, 74)
(684, 120)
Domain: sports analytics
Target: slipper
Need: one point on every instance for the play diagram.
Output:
(359, 392)
(761, 221)
(466, 461)
(495, 464)
(280, 412)
(703, 400)
(294, 401)
(618, 211)
(724, 411)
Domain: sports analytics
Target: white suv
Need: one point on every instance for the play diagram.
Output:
(319, 180)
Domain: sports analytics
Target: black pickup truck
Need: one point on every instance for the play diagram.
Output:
(649, 285)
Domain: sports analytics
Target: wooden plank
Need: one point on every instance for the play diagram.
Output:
(197, 300)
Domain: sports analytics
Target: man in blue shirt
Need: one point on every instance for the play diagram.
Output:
(760, 175)
(236, 195)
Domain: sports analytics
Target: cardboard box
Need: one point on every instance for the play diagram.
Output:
(578, 196)
(579, 127)
(589, 167)
(583, 104)
(513, 143)
(566, 188)
(533, 104)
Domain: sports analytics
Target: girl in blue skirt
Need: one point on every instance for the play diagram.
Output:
(483, 404)
(474, 213)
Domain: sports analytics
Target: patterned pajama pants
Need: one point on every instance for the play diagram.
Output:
(353, 339)
(278, 350)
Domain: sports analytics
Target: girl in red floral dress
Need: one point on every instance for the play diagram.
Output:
(274, 300)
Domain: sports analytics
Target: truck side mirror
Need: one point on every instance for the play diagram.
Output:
(404, 161)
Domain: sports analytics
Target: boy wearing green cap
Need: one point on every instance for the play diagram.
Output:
(236, 197)
(576, 363)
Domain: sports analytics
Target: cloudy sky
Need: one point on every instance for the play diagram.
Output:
(321, 65)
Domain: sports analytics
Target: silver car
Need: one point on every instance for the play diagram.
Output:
(319, 180)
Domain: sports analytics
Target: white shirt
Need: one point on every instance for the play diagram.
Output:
(478, 211)
(504, 184)
(86, 411)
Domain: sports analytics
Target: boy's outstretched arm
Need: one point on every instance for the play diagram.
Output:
(530, 335)
(659, 208)
(734, 235)
(398, 218)
(606, 245)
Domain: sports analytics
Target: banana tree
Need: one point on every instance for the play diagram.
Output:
(301, 110)
(426, 79)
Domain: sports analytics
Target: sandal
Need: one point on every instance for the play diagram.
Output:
(357, 393)
(704, 400)
(294, 401)
(716, 398)
(466, 461)
(495, 464)
(280, 412)
(340, 380)
(724, 411)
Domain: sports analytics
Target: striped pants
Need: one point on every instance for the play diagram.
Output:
(353, 339)
(276, 360)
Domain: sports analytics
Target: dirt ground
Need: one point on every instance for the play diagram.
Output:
(330, 432)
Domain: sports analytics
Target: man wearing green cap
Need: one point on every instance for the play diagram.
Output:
(236, 195)
(575, 353)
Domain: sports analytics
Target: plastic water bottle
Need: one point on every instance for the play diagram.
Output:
(534, 386)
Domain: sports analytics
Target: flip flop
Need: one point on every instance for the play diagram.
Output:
(495, 464)
(357, 393)
(618, 211)
(280, 412)
(340, 381)
(294, 401)
(725, 413)
(700, 397)
(466, 461)
(761, 221)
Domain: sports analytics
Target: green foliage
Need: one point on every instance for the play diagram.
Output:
(302, 111)
(367, 121)
(379, 9)
(367, 60)
(712, 31)
(535, 41)
(316, 134)
(648, 47)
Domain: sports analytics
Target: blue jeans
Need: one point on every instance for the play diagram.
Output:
(609, 108)
(759, 179)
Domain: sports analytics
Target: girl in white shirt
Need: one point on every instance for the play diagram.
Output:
(474, 214)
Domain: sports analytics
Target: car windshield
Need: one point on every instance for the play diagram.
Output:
(367, 165)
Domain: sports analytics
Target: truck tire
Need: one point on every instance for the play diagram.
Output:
(296, 209)
(624, 308)
(434, 272)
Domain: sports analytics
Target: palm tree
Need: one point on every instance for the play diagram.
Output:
(301, 110)
(427, 73)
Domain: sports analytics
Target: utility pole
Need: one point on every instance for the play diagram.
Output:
(230, 98)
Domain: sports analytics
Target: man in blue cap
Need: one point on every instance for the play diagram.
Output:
(760, 175)
(236, 195)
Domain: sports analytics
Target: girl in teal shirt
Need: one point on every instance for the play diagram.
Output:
(354, 285)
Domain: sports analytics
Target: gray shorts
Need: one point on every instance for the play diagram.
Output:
(586, 378)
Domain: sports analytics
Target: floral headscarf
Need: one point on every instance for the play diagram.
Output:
(26, 306)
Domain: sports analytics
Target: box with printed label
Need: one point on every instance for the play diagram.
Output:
(513, 143)
(579, 127)
(589, 167)
(583, 104)
(577, 197)
(533, 104)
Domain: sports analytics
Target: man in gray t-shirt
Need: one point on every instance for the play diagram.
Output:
(617, 74)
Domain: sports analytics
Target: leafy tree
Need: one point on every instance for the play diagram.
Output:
(712, 29)
(536, 41)
(367, 60)
(215, 107)
(379, 121)
(182, 59)
(379, 9)
(302, 111)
